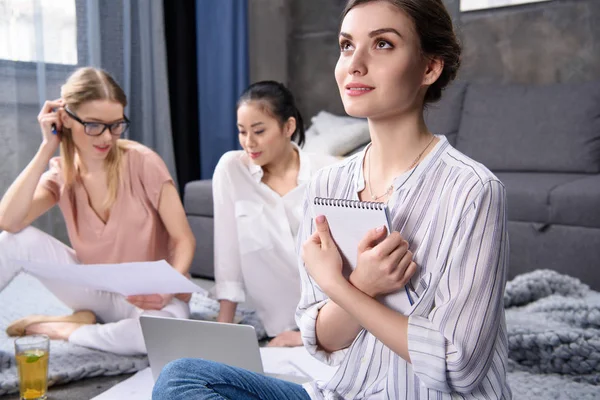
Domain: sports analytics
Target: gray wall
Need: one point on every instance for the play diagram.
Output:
(269, 22)
(313, 38)
(557, 41)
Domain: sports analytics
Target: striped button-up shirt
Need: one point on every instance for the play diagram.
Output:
(451, 210)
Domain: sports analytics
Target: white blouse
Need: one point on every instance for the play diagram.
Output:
(255, 233)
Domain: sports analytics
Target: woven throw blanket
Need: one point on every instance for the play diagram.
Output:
(531, 386)
(25, 295)
(553, 324)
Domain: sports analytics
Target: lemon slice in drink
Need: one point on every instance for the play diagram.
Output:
(33, 355)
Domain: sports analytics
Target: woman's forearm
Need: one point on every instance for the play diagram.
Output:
(387, 325)
(336, 329)
(226, 311)
(16, 202)
(183, 254)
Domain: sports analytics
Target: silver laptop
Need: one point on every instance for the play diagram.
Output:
(168, 339)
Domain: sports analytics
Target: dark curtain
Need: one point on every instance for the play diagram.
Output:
(223, 73)
(180, 32)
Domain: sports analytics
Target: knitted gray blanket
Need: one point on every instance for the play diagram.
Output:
(25, 295)
(553, 324)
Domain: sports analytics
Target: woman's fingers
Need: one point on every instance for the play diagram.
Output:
(410, 271)
(48, 122)
(50, 118)
(403, 265)
(399, 252)
(389, 245)
(147, 302)
(50, 105)
(371, 239)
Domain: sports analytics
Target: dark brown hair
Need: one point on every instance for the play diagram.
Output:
(434, 27)
(279, 102)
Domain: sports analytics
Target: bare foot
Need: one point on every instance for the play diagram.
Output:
(54, 330)
(18, 327)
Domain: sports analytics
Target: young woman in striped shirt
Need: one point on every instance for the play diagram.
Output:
(447, 215)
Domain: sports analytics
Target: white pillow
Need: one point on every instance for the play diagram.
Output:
(335, 135)
(324, 121)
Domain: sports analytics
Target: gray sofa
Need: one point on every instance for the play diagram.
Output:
(198, 203)
(544, 145)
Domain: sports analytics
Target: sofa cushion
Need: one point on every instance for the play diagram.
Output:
(443, 117)
(577, 203)
(569, 250)
(527, 128)
(528, 194)
(336, 135)
(197, 198)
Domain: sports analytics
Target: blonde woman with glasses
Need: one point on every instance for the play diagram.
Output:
(119, 204)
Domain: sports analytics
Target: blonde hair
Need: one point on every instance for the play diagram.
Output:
(89, 84)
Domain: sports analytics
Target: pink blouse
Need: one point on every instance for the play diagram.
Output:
(134, 230)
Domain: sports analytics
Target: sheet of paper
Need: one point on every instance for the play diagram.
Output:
(294, 361)
(126, 278)
(138, 387)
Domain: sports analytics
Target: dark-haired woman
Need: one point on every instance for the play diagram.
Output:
(258, 194)
(447, 215)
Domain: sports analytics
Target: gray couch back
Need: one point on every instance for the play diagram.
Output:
(198, 203)
(523, 128)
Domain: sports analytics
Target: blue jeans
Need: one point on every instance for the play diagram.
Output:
(197, 379)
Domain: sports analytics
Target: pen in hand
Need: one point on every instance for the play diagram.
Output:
(53, 128)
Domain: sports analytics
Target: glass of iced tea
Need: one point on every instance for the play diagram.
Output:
(32, 354)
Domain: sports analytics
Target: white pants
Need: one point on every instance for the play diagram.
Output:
(120, 331)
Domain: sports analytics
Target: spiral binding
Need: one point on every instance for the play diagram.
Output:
(364, 205)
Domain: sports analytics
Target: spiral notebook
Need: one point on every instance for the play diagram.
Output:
(349, 221)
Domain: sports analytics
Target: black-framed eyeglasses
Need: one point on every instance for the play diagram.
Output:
(98, 128)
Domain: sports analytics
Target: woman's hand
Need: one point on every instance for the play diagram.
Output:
(49, 116)
(286, 339)
(322, 257)
(383, 266)
(150, 301)
(185, 297)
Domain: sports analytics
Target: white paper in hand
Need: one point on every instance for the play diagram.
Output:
(126, 278)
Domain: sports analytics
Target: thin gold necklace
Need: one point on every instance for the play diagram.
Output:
(391, 187)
